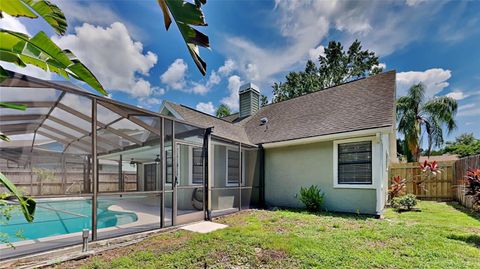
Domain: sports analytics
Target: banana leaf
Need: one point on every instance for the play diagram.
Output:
(42, 52)
(186, 15)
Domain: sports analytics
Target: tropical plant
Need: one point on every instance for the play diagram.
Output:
(311, 197)
(223, 111)
(263, 100)
(27, 204)
(472, 186)
(187, 15)
(336, 66)
(414, 115)
(397, 187)
(406, 202)
(39, 50)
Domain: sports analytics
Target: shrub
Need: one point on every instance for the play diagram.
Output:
(472, 186)
(312, 198)
(405, 202)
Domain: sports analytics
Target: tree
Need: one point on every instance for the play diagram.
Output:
(336, 66)
(464, 145)
(263, 100)
(414, 115)
(223, 111)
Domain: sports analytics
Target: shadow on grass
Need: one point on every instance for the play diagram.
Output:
(469, 212)
(468, 238)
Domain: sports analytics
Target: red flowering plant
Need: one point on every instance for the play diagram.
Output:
(430, 168)
(472, 185)
(397, 186)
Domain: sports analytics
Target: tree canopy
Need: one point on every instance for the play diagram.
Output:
(415, 115)
(464, 145)
(336, 66)
(223, 111)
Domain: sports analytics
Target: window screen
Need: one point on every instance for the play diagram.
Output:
(233, 173)
(355, 163)
(197, 166)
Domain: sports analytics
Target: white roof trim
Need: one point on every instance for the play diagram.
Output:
(323, 138)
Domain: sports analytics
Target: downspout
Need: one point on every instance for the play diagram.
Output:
(262, 175)
(207, 138)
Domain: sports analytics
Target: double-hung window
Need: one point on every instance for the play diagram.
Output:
(354, 163)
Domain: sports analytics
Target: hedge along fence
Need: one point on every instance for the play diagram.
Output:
(461, 167)
(433, 187)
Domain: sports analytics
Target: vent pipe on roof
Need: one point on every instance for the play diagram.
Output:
(249, 99)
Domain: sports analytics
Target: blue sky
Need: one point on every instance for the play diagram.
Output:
(125, 44)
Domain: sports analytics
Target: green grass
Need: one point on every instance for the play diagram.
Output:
(440, 236)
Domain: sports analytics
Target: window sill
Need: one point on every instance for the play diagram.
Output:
(354, 186)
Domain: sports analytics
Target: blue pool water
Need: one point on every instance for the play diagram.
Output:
(63, 217)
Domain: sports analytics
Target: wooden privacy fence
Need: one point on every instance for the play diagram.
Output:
(461, 167)
(433, 187)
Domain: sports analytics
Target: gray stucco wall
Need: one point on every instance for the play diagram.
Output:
(289, 168)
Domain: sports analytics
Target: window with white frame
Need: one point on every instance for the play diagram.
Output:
(354, 163)
(233, 169)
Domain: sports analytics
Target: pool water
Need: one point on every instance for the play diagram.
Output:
(62, 217)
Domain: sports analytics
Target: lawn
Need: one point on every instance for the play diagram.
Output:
(440, 236)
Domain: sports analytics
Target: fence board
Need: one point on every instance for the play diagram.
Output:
(437, 187)
(461, 167)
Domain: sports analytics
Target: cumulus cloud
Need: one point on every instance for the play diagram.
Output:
(314, 54)
(175, 75)
(434, 80)
(382, 27)
(234, 83)
(208, 108)
(457, 95)
(10, 23)
(227, 67)
(113, 56)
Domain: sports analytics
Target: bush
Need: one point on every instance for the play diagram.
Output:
(312, 198)
(405, 202)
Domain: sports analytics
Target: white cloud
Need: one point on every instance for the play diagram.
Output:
(175, 75)
(10, 23)
(214, 78)
(414, 2)
(382, 27)
(435, 80)
(234, 83)
(199, 88)
(206, 107)
(96, 13)
(227, 67)
(314, 54)
(471, 109)
(112, 55)
(457, 95)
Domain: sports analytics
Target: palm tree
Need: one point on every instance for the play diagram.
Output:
(415, 115)
(223, 111)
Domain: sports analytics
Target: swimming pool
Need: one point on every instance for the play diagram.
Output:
(57, 217)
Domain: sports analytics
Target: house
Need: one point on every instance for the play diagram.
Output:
(340, 139)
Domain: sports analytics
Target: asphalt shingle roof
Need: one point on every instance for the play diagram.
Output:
(358, 105)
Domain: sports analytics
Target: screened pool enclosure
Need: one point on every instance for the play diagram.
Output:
(94, 163)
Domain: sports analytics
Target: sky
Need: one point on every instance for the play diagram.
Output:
(125, 44)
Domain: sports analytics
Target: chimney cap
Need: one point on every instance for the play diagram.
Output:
(249, 86)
